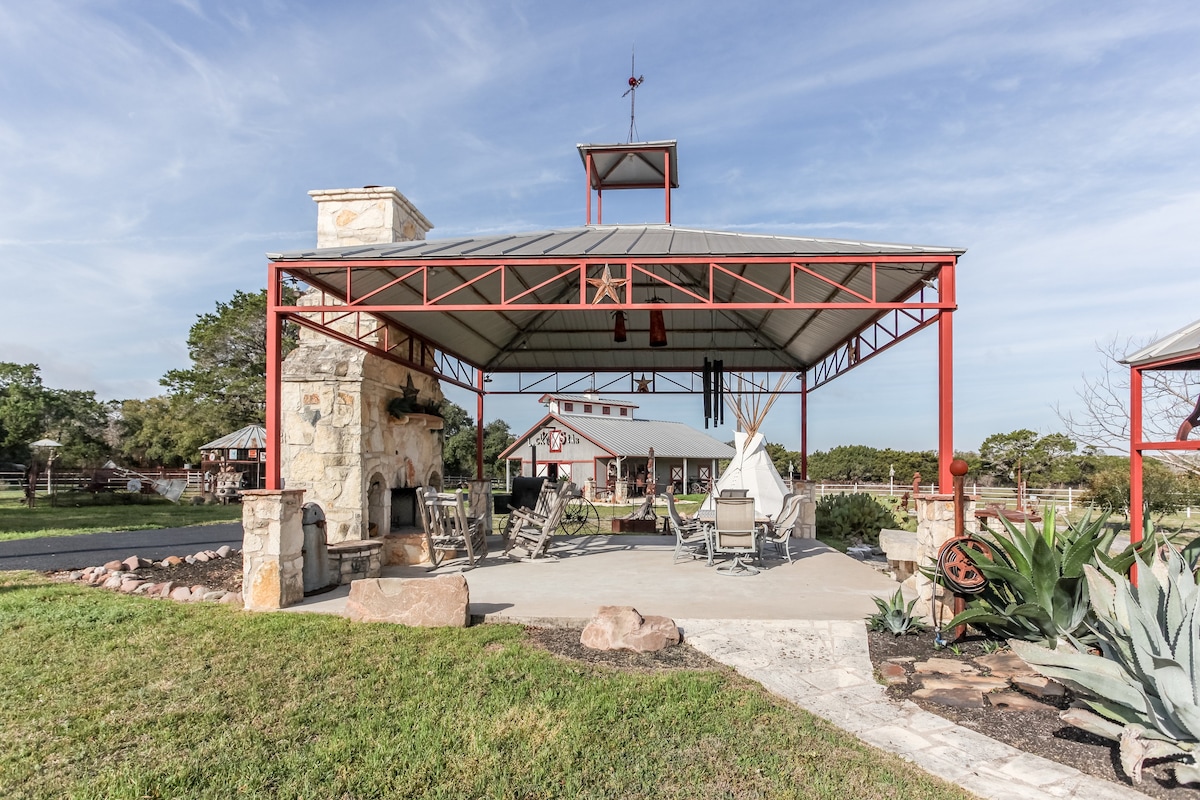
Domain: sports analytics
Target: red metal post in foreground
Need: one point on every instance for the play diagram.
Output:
(479, 428)
(274, 378)
(667, 181)
(804, 426)
(1136, 497)
(958, 470)
(945, 376)
(587, 182)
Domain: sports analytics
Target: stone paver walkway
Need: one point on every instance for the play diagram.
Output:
(824, 667)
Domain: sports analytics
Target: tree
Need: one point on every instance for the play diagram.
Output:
(30, 411)
(458, 450)
(224, 389)
(228, 349)
(1165, 490)
(1103, 420)
(22, 410)
(1023, 455)
(858, 463)
(167, 430)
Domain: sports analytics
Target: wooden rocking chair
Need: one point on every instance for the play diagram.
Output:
(449, 529)
(532, 534)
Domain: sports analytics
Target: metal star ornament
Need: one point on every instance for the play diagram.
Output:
(607, 286)
(643, 386)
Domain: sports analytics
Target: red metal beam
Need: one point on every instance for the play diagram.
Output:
(946, 292)
(390, 356)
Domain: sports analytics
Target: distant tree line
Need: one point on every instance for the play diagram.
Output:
(223, 390)
(1004, 459)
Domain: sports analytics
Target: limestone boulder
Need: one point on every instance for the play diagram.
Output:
(441, 601)
(623, 628)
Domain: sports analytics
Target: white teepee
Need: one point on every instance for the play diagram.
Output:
(751, 467)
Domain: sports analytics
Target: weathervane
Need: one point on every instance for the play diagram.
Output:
(635, 81)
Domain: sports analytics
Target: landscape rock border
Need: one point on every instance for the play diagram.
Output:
(123, 576)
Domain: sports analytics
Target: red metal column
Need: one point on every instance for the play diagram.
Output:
(946, 296)
(479, 427)
(667, 181)
(1136, 523)
(274, 381)
(804, 425)
(588, 183)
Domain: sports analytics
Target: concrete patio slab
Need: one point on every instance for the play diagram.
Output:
(590, 571)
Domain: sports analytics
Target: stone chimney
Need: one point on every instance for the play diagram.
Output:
(370, 215)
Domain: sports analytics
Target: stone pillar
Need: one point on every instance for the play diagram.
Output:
(480, 499)
(935, 524)
(272, 541)
(806, 528)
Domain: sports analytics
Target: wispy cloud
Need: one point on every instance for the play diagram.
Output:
(154, 151)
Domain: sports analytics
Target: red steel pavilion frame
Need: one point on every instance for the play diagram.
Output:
(892, 322)
(386, 299)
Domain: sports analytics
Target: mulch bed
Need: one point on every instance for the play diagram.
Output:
(1038, 731)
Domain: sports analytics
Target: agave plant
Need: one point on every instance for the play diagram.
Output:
(1143, 691)
(1035, 587)
(895, 616)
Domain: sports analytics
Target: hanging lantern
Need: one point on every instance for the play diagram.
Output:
(658, 327)
(619, 326)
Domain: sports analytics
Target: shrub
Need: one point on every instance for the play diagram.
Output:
(853, 516)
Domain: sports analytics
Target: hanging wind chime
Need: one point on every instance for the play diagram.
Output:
(713, 378)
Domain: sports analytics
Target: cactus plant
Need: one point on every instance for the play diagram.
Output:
(1143, 690)
(895, 616)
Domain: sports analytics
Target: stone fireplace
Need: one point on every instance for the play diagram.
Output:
(345, 439)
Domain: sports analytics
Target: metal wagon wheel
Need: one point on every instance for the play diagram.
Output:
(580, 517)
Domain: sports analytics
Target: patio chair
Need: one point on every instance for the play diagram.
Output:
(734, 533)
(449, 529)
(533, 536)
(779, 532)
(691, 535)
(530, 515)
(734, 493)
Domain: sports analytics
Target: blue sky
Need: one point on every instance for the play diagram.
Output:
(154, 151)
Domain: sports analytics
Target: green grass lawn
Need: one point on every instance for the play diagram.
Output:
(79, 514)
(120, 697)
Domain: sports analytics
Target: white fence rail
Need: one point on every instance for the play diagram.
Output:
(1066, 499)
(988, 495)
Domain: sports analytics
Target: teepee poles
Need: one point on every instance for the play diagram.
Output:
(751, 409)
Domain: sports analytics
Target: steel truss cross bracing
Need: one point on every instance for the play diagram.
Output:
(461, 319)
